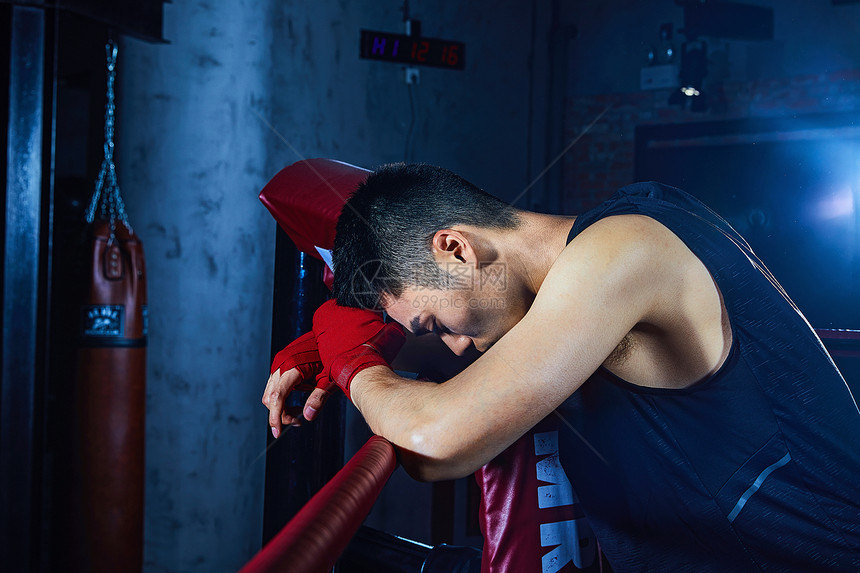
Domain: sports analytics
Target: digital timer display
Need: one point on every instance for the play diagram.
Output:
(413, 50)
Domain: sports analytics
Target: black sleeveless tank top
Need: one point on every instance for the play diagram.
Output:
(754, 468)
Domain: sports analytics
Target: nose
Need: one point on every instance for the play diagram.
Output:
(458, 343)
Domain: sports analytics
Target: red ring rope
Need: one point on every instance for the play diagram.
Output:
(840, 343)
(313, 540)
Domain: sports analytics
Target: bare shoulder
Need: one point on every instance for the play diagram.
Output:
(632, 250)
(633, 271)
(610, 278)
(631, 234)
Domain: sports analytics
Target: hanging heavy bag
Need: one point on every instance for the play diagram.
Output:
(111, 371)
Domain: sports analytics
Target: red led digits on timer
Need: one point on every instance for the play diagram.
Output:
(451, 55)
(419, 50)
(412, 50)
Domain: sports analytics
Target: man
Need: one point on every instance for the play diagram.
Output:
(708, 428)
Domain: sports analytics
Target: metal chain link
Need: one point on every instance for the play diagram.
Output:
(106, 198)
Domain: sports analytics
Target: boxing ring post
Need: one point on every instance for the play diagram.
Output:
(313, 540)
(305, 199)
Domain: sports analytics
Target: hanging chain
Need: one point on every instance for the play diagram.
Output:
(106, 198)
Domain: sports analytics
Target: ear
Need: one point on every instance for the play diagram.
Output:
(450, 245)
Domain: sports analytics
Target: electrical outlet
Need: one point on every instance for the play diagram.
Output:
(412, 76)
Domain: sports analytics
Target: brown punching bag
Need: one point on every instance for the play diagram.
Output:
(111, 377)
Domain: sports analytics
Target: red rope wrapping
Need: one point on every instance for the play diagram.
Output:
(316, 536)
(834, 338)
(837, 334)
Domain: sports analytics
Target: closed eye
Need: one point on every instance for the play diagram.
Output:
(439, 330)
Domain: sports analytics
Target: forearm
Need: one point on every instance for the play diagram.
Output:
(449, 430)
(411, 414)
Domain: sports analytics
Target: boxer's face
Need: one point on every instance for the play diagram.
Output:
(461, 317)
(485, 300)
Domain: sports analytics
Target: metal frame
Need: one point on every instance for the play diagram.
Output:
(21, 287)
(304, 459)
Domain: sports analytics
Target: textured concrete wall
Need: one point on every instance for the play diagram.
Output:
(327, 101)
(242, 90)
(192, 161)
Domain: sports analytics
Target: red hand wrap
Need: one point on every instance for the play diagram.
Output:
(350, 340)
(303, 355)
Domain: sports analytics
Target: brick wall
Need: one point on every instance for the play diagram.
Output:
(603, 158)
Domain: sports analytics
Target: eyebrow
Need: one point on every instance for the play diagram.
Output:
(417, 329)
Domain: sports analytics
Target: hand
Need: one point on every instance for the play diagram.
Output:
(294, 368)
(302, 354)
(350, 340)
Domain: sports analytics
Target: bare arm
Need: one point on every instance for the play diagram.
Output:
(603, 284)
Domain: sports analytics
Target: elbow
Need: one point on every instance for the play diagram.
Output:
(431, 455)
(422, 471)
(426, 469)
(430, 445)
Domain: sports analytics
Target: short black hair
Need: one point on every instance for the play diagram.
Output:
(385, 230)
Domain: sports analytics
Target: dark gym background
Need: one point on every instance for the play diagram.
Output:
(552, 111)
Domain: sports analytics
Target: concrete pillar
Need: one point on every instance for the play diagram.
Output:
(191, 160)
